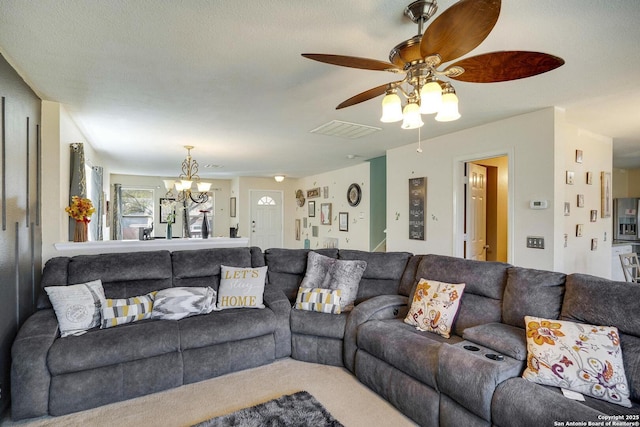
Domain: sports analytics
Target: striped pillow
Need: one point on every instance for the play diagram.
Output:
(120, 311)
(319, 299)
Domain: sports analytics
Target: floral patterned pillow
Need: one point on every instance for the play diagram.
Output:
(434, 307)
(582, 358)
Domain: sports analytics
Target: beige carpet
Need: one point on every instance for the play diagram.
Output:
(349, 401)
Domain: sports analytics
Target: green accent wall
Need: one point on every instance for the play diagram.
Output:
(378, 205)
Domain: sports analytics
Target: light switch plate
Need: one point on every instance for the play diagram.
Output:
(535, 242)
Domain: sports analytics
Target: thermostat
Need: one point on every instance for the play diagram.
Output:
(539, 204)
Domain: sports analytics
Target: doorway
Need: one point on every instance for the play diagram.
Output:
(266, 219)
(486, 209)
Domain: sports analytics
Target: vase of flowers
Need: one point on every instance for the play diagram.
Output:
(81, 210)
(169, 205)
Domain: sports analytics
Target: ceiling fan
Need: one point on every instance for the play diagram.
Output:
(456, 32)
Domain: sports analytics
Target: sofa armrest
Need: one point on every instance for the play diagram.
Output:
(380, 307)
(278, 302)
(30, 376)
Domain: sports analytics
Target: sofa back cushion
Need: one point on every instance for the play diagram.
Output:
(532, 292)
(288, 266)
(202, 267)
(123, 275)
(597, 301)
(409, 279)
(383, 273)
(485, 283)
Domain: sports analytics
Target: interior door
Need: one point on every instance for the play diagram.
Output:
(476, 213)
(266, 219)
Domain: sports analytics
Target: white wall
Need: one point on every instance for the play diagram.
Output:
(338, 182)
(528, 142)
(540, 147)
(220, 187)
(577, 256)
(58, 132)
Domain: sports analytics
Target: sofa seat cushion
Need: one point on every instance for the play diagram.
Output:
(504, 339)
(521, 403)
(318, 324)
(411, 351)
(225, 326)
(104, 347)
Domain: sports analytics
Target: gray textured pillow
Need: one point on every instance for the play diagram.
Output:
(178, 303)
(345, 275)
(317, 268)
(77, 307)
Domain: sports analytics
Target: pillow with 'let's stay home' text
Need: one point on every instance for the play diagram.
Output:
(241, 287)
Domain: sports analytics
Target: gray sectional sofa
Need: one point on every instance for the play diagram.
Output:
(433, 380)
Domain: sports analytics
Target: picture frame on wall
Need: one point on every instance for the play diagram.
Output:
(578, 156)
(232, 207)
(580, 201)
(594, 215)
(312, 209)
(297, 229)
(589, 178)
(343, 221)
(594, 244)
(579, 230)
(605, 194)
(569, 178)
(325, 213)
(567, 208)
(313, 193)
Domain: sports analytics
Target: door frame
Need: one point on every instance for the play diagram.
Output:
(459, 199)
(251, 192)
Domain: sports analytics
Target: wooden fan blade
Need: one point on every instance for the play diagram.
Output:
(504, 66)
(364, 96)
(460, 29)
(353, 62)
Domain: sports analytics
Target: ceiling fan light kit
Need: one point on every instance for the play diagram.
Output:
(453, 34)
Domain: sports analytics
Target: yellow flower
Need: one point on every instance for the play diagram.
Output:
(544, 332)
(80, 209)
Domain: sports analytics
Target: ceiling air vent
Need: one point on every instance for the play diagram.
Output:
(345, 129)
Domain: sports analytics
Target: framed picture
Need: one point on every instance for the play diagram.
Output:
(343, 221)
(579, 230)
(594, 244)
(312, 209)
(313, 193)
(417, 208)
(314, 231)
(167, 207)
(605, 194)
(325, 213)
(232, 207)
(325, 192)
(570, 177)
(297, 230)
(578, 156)
(580, 200)
(567, 208)
(304, 222)
(589, 178)
(594, 215)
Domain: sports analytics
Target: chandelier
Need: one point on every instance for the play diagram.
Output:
(185, 181)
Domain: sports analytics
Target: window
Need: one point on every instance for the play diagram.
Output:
(195, 216)
(266, 201)
(137, 211)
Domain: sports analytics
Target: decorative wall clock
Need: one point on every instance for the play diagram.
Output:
(354, 195)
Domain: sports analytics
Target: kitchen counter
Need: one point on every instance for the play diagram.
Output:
(112, 246)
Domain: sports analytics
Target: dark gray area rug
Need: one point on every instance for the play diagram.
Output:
(298, 409)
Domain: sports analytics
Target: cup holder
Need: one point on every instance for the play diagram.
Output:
(471, 348)
(496, 357)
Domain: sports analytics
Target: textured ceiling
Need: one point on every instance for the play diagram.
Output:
(143, 78)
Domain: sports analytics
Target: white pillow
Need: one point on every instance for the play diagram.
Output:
(241, 287)
(435, 306)
(582, 358)
(77, 307)
(181, 302)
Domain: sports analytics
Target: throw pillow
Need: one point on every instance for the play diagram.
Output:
(435, 306)
(582, 358)
(317, 268)
(345, 276)
(241, 287)
(320, 300)
(180, 302)
(126, 310)
(77, 307)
